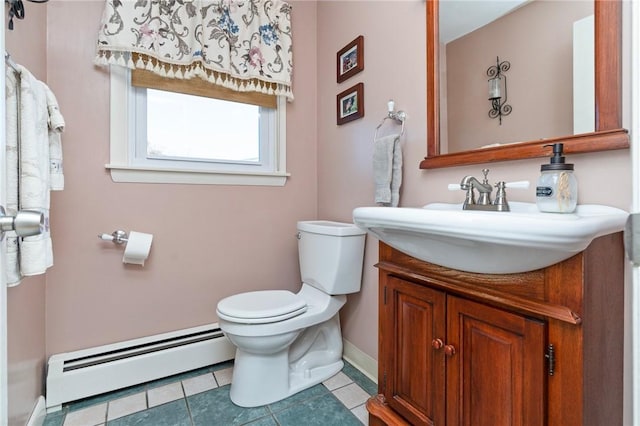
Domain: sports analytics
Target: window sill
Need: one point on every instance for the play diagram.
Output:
(133, 174)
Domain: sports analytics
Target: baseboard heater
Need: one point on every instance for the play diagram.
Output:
(80, 374)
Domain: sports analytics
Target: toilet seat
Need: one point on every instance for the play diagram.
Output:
(260, 307)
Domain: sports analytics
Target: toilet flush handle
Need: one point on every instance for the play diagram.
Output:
(298, 235)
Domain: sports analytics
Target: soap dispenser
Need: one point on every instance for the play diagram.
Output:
(557, 189)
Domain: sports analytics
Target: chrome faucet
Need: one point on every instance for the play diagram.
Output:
(470, 183)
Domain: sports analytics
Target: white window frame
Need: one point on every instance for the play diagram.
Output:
(123, 166)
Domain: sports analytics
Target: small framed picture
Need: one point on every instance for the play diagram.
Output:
(350, 59)
(350, 104)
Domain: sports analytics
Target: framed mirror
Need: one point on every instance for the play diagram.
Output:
(607, 135)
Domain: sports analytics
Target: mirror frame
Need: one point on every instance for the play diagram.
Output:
(609, 133)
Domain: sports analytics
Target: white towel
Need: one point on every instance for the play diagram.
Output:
(28, 120)
(34, 143)
(56, 127)
(12, 99)
(387, 170)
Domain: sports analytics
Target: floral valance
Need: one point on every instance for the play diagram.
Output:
(244, 45)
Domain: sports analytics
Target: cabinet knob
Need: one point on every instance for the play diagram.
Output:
(449, 350)
(437, 343)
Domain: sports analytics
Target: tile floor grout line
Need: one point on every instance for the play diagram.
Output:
(146, 396)
(186, 403)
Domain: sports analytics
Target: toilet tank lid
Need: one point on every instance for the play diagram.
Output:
(327, 227)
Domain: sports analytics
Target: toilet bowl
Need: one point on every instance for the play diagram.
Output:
(287, 342)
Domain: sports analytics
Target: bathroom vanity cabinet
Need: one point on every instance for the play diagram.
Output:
(536, 348)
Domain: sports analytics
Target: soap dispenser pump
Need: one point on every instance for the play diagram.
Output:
(557, 189)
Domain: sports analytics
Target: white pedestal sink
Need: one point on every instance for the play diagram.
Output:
(521, 240)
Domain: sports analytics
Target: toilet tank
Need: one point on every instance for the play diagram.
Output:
(331, 255)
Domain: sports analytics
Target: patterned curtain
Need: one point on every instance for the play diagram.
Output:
(243, 45)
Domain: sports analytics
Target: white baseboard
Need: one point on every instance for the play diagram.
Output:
(93, 371)
(363, 362)
(39, 413)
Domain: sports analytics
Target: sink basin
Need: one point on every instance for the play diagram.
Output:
(521, 240)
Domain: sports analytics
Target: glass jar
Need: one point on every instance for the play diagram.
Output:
(557, 191)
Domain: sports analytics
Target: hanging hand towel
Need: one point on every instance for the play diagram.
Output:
(387, 170)
(11, 97)
(28, 170)
(56, 127)
(35, 252)
(34, 143)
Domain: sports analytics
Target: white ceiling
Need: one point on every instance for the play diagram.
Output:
(460, 17)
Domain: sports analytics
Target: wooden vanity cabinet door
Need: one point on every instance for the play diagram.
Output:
(413, 320)
(496, 375)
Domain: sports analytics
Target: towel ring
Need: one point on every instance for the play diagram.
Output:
(399, 117)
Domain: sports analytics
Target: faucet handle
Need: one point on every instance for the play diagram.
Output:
(521, 184)
(500, 202)
(485, 172)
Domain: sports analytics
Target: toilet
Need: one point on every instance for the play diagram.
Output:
(287, 342)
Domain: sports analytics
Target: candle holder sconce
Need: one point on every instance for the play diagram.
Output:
(498, 89)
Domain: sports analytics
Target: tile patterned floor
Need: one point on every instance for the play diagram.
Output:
(201, 398)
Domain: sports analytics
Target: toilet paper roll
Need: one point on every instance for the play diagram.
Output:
(137, 248)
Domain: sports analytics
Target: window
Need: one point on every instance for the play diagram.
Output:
(176, 136)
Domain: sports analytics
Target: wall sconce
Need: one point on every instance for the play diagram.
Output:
(498, 89)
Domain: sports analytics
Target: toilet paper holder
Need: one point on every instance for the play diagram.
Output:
(137, 245)
(117, 237)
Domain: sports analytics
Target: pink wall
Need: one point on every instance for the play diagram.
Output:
(209, 241)
(394, 68)
(26, 302)
(394, 57)
(537, 39)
